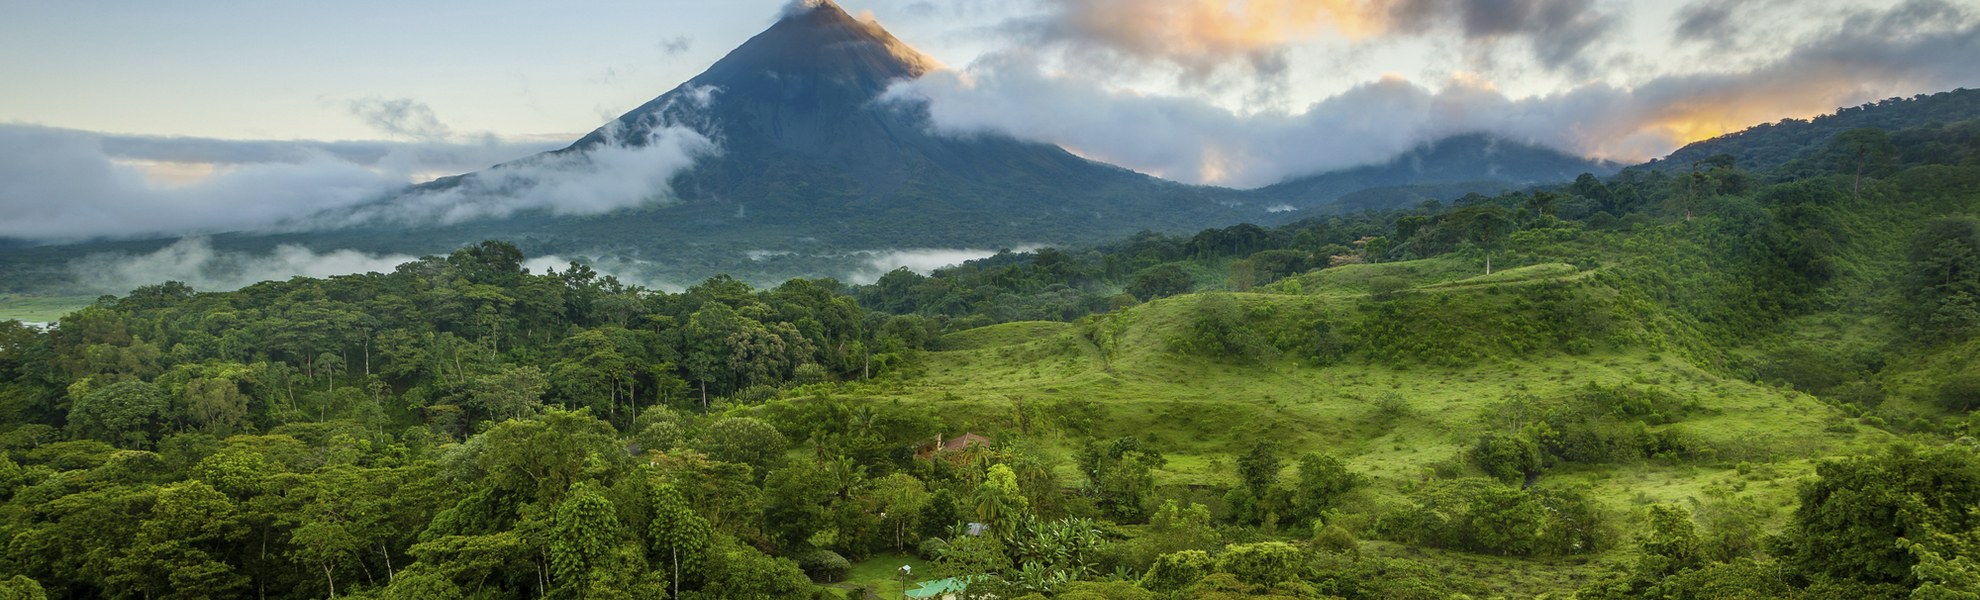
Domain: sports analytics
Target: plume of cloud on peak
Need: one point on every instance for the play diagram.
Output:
(1023, 93)
(799, 7)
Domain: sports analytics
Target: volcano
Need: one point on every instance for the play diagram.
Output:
(813, 150)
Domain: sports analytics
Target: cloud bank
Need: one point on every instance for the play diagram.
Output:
(62, 184)
(919, 260)
(619, 174)
(194, 262)
(59, 185)
(1917, 46)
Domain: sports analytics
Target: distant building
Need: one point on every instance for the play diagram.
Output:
(958, 449)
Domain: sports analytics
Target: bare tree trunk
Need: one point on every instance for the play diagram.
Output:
(382, 551)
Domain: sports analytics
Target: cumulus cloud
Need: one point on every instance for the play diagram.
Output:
(1710, 21)
(402, 117)
(1204, 36)
(1922, 45)
(677, 45)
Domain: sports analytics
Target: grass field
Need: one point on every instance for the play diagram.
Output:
(881, 575)
(40, 309)
(1054, 386)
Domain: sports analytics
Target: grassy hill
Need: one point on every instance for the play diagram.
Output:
(1752, 370)
(1403, 423)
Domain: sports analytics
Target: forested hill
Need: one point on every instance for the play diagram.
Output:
(1462, 159)
(1769, 145)
(1717, 382)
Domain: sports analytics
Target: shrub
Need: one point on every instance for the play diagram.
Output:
(1961, 393)
(1338, 540)
(1602, 221)
(1386, 287)
(931, 549)
(824, 566)
(1173, 572)
(1263, 563)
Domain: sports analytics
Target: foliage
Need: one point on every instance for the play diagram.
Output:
(1178, 570)
(1852, 515)
(124, 413)
(1485, 516)
(824, 565)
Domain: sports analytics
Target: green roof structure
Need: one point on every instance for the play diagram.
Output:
(939, 588)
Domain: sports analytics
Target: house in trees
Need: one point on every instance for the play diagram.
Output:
(944, 589)
(958, 450)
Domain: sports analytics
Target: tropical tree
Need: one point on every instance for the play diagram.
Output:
(677, 533)
(1486, 225)
(123, 414)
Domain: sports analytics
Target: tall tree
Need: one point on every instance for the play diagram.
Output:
(676, 531)
(1485, 225)
(124, 414)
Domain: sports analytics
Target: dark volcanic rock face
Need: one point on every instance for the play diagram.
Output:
(808, 86)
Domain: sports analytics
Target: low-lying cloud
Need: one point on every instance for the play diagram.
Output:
(195, 262)
(1023, 93)
(919, 260)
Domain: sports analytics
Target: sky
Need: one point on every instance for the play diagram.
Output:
(130, 118)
